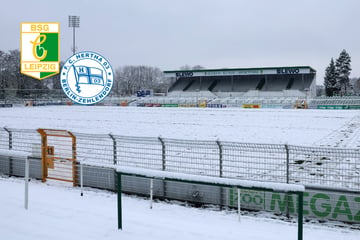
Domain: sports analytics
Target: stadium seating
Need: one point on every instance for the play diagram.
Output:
(180, 85)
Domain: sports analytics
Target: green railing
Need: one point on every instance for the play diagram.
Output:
(211, 181)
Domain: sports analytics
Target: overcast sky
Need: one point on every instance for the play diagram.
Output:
(215, 34)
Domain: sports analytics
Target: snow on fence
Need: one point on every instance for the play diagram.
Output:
(21, 156)
(311, 166)
(212, 181)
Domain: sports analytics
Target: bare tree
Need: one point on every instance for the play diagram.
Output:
(129, 79)
(12, 82)
(198, 67)
(188, 67)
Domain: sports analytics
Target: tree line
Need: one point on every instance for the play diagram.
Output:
(128, 79)
(337, 80)
(11, 78)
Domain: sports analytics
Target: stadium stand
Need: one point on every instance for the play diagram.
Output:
(270, 87)
(298, 81)
(224, 85)
(180, 85)
(275, 83)
(244, 84)
(265, 87)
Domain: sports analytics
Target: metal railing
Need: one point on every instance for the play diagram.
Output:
(332, 168)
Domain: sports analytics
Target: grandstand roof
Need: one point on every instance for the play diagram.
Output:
(240, 71)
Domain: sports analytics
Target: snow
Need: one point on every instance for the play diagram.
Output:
(58, 212)
(14, 153)
(216, 180)
(309, 127)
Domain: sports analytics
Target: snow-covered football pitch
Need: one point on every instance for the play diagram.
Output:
(59, 212)
(339, 128)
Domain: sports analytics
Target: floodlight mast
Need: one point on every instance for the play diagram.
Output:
(74, 22)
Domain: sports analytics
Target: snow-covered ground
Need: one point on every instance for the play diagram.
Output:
(340, 128)
(59, 212)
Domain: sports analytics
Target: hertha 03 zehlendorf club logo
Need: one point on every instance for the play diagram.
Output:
(40, 49)
(87, 77)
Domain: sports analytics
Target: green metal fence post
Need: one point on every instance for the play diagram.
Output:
(163, 153)
(119, 201)
(10, 137)
(220, 158)
(163, 159)
(114, 149)
(221, 171)
(300, 215)
(287, 179)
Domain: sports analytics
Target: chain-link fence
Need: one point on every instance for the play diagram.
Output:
(312, 166)
(44, 97)
(331, 175)
(20, 140)
(326, 167)
(32, 97)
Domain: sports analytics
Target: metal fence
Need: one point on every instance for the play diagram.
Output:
(332, 168)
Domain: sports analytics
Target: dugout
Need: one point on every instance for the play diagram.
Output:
(295, 81)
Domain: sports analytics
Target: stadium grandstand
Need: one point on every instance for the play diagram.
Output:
(298, 81)
(252, 87)
(268, 87)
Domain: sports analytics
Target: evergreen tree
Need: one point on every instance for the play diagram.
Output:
(343, 69)
(330, 79)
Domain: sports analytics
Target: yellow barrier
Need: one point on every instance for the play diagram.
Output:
(251, 105)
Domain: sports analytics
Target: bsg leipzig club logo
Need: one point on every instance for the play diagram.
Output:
(39, 49)
(87, 78)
